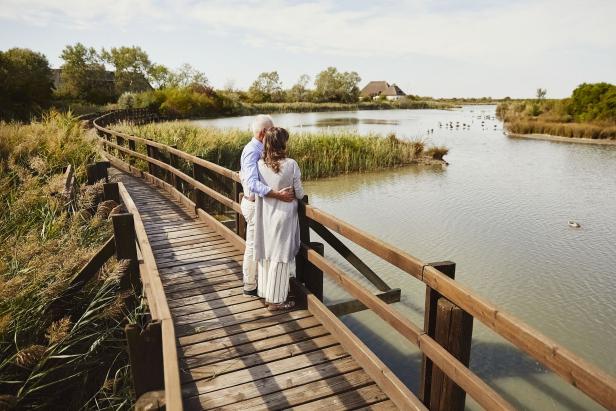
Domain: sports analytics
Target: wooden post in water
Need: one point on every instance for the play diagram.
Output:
(454, 332)
(126, 249)
(145, 352)
(452, 328)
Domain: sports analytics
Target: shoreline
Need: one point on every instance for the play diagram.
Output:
(549, 137)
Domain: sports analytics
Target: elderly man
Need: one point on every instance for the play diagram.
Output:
(254, 187)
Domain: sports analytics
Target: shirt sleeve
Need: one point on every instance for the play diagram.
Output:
(250, 173)
(297, 182)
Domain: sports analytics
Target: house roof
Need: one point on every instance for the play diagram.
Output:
(393, 90)
(374, 88)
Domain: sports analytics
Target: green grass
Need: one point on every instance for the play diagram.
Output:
(78, 358)
(320, 154)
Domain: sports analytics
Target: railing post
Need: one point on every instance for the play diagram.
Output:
(132, 147)
(145, 352)
(120, 142)
(111, 191)
(174, 161)
(240, 222)
(97, 171)
(126, 249)
(152, 153)
(452, 328)
(200, 198)
(313, 276)
(304, 236)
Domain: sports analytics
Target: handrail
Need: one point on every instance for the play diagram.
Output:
(157, 303)
(586, 377)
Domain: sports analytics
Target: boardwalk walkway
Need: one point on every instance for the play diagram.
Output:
(233, 352)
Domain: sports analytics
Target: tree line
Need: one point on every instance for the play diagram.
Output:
(100, 77)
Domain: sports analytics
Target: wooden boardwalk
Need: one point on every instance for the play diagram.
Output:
(233, 352)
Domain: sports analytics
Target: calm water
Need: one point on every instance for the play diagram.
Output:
(500, 211)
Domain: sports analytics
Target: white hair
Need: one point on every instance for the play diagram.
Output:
(261, 122)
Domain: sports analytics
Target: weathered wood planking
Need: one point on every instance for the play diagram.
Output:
(226, 340)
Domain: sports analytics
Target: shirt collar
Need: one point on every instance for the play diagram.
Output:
(257, 143)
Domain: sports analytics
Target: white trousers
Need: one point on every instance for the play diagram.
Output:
(249, 267)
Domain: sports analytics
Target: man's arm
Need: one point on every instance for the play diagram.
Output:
(251, 172)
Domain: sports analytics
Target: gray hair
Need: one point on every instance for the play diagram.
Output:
(260, 123)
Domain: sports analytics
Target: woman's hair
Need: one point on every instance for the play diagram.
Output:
(275, 147)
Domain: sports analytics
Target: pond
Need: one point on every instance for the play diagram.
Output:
(500, 211)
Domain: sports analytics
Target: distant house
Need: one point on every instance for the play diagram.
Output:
(376, 89)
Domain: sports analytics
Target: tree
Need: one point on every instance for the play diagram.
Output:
(266, 88)
(160, 76)
(186, 75)
(300, 91)
(332, 85)
(132, 68)
(25, 83)
(541, 93)
(84, 76)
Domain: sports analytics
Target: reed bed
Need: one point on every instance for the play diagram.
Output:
(74, 359)
(578, 130)
(305, 107)
(319, 154)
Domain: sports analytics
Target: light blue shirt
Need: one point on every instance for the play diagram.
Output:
(249, 170)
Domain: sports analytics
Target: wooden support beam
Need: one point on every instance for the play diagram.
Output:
(348, 255)
(145, 352)
(353, 306)
(449, 269)
(97, 171)
(240, 222)
(301, 262)
(200, 197)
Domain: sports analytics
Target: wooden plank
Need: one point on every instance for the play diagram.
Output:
(379, 372)
(249, 336)
(279, 343)
(205, 289)
(349, 400)
(296, 362)
(197, 255)
(304, 393)
(176, 266)
(204, 297)
(228, 267)
(221, 366)
(228, 397)
(187, 250)
(240, 326)
(202, 307)
(195, 317)
(163, 244)
(386, 405)
(185, 279)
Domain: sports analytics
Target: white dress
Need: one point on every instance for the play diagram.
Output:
(276, 240)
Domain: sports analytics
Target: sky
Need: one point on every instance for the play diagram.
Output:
(440, 48)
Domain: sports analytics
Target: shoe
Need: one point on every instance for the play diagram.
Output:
(251, 293)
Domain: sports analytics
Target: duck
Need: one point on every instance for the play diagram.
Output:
(574, 224)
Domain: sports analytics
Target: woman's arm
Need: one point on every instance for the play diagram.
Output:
(297, 181)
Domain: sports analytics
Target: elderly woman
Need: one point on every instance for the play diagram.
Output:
(276, 222)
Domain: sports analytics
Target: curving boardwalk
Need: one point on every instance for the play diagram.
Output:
(234, 353)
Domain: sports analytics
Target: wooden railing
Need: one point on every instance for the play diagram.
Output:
(163, 169)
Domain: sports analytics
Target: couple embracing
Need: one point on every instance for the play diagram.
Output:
(272, 183)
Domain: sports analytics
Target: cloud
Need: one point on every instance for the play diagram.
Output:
(483, 30)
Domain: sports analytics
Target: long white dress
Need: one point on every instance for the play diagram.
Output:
(277, 240)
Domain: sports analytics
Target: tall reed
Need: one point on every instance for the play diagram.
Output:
(319, 154)
(76, 358)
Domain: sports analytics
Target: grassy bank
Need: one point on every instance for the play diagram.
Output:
(318, 154)
(76, 358)
(589, 113)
